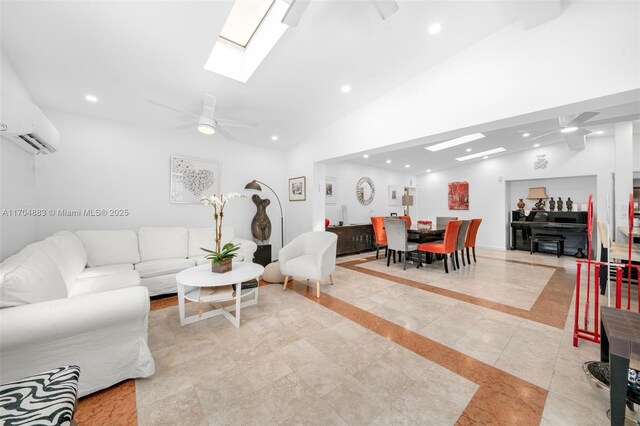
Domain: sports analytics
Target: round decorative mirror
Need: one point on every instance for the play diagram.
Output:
(365, 190)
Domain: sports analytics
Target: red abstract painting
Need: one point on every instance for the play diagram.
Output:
(459, 196)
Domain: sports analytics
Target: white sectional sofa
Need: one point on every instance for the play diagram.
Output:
(157, 254)
(54, 315)
(83, 299)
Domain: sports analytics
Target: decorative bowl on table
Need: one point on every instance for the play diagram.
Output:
(424, 225)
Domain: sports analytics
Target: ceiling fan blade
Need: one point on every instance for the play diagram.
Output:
(385, 8)
(632, 117)
(581, 132)
(234, 123)
(294, 12)
(581, 118)
(172, 108)
(208, 106)
(228, 136)
(543, 135)
(191, 124)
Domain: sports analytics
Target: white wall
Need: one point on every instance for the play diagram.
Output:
(488, 195)
(17, 174)
(347, 175)
(110, 165)
(513, 73)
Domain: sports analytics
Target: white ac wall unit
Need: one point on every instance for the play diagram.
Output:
(24, 124)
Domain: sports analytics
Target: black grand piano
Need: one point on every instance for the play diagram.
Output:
(571, 225)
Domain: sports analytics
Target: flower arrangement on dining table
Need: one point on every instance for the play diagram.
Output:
(424, 224)
(221, 257)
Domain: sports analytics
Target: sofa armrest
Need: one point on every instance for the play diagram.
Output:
(58, 319)
(103, 283)
(247, 248)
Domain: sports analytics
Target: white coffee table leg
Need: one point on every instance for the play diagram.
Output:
(238, 303)
(181, 302)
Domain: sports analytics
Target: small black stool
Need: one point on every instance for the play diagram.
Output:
(558, 240)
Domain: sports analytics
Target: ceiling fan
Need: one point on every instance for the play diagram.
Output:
(569, 127)
(206, 122)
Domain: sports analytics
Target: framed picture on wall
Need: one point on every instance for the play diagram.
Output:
(395, 195)
(192, 179)
(298, 188)
(458, 196)
(330, 190)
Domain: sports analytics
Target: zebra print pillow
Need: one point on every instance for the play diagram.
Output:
(47, 398)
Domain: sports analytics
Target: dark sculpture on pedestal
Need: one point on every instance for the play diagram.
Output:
(261, 224)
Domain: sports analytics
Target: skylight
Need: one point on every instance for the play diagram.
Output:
(455, 142)
(244, 19)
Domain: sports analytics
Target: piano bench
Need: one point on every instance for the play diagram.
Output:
(558, 240)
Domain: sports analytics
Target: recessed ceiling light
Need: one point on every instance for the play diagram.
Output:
(568, 129)
(536, 145)
(481, 154)
(365, 156)
(455, 142)
(468, 149)
(599, 132)
(485, 157)
(345, 88)
(406, 166)
(526, 135)
(435, 28)
(428, 170)
(91, 98)
(274, 138)
(388, 161)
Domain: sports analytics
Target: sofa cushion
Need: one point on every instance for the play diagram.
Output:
(206, 237)
(68, 253)
(154, 268)
(110, 247)
(162, 243)
(104, 270)
(30, 277)
(101, 283)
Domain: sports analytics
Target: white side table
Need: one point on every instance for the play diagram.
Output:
(191, 280)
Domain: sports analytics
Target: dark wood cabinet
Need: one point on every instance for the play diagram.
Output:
(354, 238)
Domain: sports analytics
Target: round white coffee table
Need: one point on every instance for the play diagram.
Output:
(190, 281)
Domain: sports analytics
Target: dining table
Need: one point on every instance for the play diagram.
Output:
(420, 236)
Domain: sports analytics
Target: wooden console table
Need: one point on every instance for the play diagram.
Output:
(354, 238)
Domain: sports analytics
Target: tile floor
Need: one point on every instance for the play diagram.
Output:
(379, 351)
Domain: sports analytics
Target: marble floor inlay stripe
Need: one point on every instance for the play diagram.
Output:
(550, 308)
(501, 398)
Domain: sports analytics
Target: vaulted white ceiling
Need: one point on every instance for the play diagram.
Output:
(128, 52)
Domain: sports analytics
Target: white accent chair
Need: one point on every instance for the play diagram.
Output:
(311, 255)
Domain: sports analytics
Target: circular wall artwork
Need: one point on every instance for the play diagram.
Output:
(365, 190)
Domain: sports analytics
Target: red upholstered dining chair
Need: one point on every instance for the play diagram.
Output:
(447, 247)
(380, 234)
(406, 219)
(470, 242)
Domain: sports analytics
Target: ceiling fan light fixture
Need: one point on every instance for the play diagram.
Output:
(206, 129)
(205, 126)
(526, 135)
(569, 129)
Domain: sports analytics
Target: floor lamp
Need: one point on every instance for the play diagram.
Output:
(255, 185)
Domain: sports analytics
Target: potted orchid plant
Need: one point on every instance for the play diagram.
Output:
(221, 257)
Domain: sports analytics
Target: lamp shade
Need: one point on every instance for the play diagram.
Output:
(537, 193)
(407, 200)
(253, 185)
